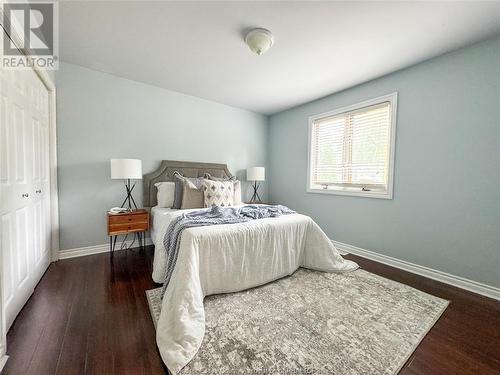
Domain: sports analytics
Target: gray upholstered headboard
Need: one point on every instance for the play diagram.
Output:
(187, 168)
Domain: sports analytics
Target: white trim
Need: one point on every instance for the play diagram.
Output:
(393, 99)
(359, 193)
(96, 249)
(54, 195)
(457, 281)
(3, 360)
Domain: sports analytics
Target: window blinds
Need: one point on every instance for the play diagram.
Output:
(352, 148)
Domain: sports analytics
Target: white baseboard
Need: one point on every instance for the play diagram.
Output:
(96, 249)
(3, 361)
(459, 282)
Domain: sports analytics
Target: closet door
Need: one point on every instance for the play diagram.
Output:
(39, 143)
(24, 187)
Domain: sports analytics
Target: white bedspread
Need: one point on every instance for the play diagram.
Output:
(230, 258)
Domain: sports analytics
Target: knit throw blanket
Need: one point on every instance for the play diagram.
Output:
(215, 216)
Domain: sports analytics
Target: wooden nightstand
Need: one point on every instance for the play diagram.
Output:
(136, 221)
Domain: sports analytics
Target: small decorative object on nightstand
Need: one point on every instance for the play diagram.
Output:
(135, 221)
(256, 174)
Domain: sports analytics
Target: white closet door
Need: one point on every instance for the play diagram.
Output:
(24, 183)
(39, 142)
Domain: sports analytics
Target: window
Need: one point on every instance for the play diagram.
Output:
(351, 150)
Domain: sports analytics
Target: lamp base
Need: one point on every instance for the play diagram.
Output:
(129, 199)
(255, 197)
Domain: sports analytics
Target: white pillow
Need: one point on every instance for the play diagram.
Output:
(165, 195)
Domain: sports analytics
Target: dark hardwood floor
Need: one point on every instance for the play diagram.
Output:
(89, 315)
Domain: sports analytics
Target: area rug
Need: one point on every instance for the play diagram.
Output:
(313, 323)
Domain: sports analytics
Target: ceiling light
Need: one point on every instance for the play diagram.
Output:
(259, 40)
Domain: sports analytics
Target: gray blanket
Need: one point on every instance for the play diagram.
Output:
(215, 216)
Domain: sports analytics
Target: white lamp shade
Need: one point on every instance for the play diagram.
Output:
(126, 169)
(256, 174)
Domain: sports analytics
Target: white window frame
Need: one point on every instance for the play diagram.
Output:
(392, 98)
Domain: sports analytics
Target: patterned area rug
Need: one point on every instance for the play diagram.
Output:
(313, 323)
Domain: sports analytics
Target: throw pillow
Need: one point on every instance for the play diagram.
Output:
(237, 187)
(192, 197)
(218, 193)
(165, 194)
(179, 187)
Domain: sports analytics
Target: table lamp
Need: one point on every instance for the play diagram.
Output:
(127, 169)
(256, 174)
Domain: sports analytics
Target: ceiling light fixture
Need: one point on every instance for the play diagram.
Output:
(259, 40)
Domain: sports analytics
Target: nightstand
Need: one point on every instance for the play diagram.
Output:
(135, 221)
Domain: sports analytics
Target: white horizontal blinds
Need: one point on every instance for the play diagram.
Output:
(370, 145)
(352, 148)
(328, 145)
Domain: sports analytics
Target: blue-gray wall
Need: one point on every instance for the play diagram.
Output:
(446, 208)
(101, 116)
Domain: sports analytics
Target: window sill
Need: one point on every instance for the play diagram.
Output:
(352, 192)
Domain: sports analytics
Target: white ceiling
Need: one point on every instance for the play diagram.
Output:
(197, 48)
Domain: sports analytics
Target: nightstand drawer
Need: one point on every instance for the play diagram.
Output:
(133, 221)
(125, 219)
(128, 227)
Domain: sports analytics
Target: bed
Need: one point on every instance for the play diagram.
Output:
(222, 259)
